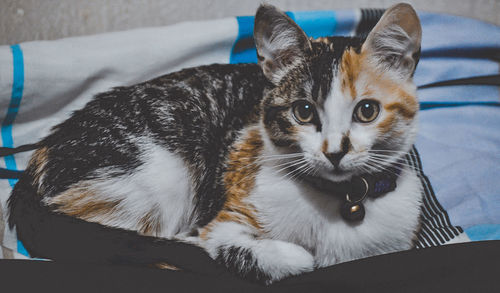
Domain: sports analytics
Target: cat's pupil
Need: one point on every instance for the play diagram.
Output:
(305, 111)
(367, 110)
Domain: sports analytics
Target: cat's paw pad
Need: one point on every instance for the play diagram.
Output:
(279, 259)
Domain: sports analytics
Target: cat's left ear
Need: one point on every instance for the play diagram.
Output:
(395, 41)
(280, 42)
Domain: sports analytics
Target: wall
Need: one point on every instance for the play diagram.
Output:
(25, 20)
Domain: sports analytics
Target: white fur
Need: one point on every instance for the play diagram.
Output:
(277, 258)
(161, 184)
(296, 213)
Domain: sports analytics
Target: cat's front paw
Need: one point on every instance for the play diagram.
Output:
(280, 259)
(266, 260)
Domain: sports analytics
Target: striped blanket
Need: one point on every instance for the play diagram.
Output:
(458, 157)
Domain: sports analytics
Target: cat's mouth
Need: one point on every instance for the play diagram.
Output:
(329, 172)
(336, 174)
(338, 170)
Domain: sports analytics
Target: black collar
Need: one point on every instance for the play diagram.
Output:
(355, 191)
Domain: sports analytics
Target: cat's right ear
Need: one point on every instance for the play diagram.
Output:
(280, 42)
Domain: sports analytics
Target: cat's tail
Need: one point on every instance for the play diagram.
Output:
(46, 234)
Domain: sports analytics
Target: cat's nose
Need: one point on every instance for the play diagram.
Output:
(335, 158)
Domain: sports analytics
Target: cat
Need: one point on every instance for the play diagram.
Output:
(243, 161)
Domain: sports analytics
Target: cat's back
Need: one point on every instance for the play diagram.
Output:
(138, 157)
(179, 111)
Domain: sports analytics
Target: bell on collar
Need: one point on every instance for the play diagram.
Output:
(352, 211)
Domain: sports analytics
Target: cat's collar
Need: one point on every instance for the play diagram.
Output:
(355, 191)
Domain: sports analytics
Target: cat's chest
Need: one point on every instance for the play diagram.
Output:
(292, 211)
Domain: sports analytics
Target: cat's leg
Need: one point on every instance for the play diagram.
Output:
(241, 250)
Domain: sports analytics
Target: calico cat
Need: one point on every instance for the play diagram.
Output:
(272, 169)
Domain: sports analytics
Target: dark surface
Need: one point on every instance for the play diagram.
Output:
(470, 267)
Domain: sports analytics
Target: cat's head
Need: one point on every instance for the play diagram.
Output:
(347, 105)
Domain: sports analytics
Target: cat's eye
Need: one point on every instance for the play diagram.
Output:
(303, 111)
(366, 111)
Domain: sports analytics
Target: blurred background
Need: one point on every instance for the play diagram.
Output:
(27, 20)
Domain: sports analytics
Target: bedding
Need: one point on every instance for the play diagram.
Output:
(457, 152)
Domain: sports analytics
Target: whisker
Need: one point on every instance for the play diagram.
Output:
(383, 156)
(311, 170)
(376, 164)
(290, 164)
(301, 172)
(388, 151)
(386, 156)
(265, 158)
(307, 170)
(398, 164)
(362, 168)
(277, 172)
(371, 167)
(288, 174)
(275, 166)
(280, 155)
(286, 165)
(379, 168)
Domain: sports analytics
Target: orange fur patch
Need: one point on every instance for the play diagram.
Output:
(407, 104)
(379, 85)
(393, 97)
(81, 202)
(239, 180)
(323, 40)
(324, 146)
(166, 266)
(406, 110)
(150, 224)
(350, 67)
(368, 93)
(37, 163)
(386, 125)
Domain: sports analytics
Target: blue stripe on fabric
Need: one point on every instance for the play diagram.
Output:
(21, 249)
(432, 105)
(483, 232)
(314, 23)
(15, 101)
(6, 129)
(346, 22)
(244, 47)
